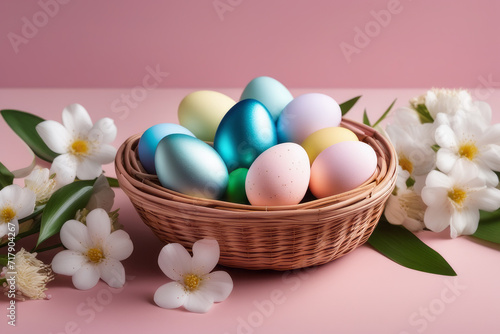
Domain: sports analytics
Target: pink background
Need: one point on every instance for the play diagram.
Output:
(362, 292)
(93, 43)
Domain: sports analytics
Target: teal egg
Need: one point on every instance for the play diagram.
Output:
(235, 191)
(149, 141)
(190, 166)
(246, 131)
(270, 92)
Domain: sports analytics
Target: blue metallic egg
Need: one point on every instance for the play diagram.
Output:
(244, 133)
(190, 166)
(150, 139)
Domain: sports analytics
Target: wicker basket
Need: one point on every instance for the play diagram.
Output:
(256, 237)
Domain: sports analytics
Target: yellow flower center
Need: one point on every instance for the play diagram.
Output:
(95, 255)
(468, 150)
(80, 147)
(191, 282)
(457, 195)
(406, 164)
(7, 214)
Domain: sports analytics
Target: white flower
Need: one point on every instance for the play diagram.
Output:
(15, 203)
(413, 143)
(447, 101)
(42, 183)
(93, 252)
(31, 276)
(469, 138)
(455, 199)
(83, 147)
(194, 287)
(405, 207)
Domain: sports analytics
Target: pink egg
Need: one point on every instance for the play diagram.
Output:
(342, 167)
(279, 176)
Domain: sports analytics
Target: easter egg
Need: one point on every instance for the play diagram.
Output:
(190, 166)
(149, 141)
(305, 115)
(342, 167)
(235, 191)
(270, 92)
(246, 131)
(279, 176)
(316, 142)
(201, 112)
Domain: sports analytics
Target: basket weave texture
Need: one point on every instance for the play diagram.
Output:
(259, 237)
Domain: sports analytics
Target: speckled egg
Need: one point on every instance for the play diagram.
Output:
(342, 167)
(279, 176)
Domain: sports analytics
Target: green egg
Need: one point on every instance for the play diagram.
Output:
(235, 191)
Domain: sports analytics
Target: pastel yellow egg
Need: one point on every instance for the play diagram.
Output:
(318, 141)
(201, 112)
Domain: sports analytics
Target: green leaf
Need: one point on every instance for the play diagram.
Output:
(384, 115)
(6, 177)
(424, 114)
(4, 260)
(24, 125)
(62, 206)
(113, 182)
(489, 227)
(366, 121)
(347, 105)
(404, 248)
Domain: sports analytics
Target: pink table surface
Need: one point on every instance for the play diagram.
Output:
(362, 292)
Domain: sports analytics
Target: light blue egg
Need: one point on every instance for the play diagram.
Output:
(190, 166)
(270, 92)
(246, 131)
(150, 139)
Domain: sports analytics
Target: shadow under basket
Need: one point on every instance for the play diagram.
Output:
(258, 237)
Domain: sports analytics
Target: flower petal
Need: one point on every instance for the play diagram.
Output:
(464, 222)
(170, 295)
(64, 166)
(68, 262)
(77, 120)
(446, 159)
(88, 169)
(86, 277)
(175, 261)
(103, 155)
(437, 179)
(5, 228)
(206, 254)
(434, 196)
(490, 155)
(99, 227)
(199, 301)
(488, 199)
(437, 218)
(394, 212)
(104, 131)
(25, 202)
(218, 284)
(54, 135)
(445, 137)
(74, 236)
(112, 272)
(118, 245)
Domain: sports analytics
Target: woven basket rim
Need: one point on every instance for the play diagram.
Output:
(148, 186)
